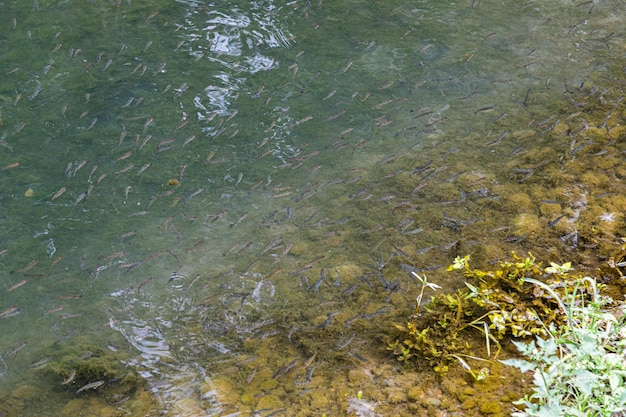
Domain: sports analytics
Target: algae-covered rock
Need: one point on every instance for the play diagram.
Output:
(269, 402)
(24, 392)
(80, 365)
(527, 224)
(415, 393)
(396, 395)
(491, 407)
(89, 408)
(224, 387)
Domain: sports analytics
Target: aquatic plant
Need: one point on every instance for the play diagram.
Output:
(578, 368)
(425, 284)
(493, 304)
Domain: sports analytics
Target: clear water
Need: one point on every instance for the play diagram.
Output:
(212, 193)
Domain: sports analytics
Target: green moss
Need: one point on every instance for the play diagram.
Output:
(491, 407)
(89, 363)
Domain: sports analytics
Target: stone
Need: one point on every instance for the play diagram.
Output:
(491, 407)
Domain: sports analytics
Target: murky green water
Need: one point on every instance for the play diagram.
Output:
(227, 198)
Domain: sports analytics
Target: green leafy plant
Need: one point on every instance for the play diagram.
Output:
(425, 284)
(579, 368)
(493, 304)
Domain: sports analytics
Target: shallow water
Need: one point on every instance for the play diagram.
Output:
(228, 198)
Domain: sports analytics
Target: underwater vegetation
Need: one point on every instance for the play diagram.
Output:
(494, 305)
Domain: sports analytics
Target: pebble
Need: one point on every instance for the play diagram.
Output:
(433, 402)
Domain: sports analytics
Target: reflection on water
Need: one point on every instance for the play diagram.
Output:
(229, 199)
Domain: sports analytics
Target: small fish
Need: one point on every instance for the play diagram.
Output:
(53, 310)
(148, 122)
(123, 134)
(274, 243)
(93, 171)
(195, 193)
(498, 139)
(126, 155)
(244, 248)
(314, 260)
(28, 266)
(189, 139)
(70, 377)
(146, 139)
(334, 116)
(126, 235)
(93, 123)
(286, 193)
(56, 48)
(96, 272)
(125, 169)
(287, 249)
(195, 246)
(240, 219)
(71, 297)
(217, 216)
(11, 165)
(128, 103)
(164, 145)
(58, 193)
(318, 283)
(232, 249)
(115, 255)
(143, 168)
(309, 361)
(383, 104)
(92, 385)
(337, 282)
(486, 108)
(274, 272)
(144, 283)
(81, 197)
(6, 144)
(553, 223)
(19, 284)
(16, 350)
(360, 145)
(332, 93)
(193, 281)
(251, 376)
(285, 369)
(10, 312)
(41, 362)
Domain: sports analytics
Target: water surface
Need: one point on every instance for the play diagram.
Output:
(228, 198)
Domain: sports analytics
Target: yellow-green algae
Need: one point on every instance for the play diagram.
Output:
(79, 364)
